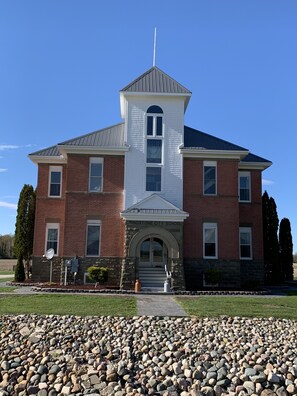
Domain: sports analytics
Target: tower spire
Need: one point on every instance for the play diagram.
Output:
(155, 45)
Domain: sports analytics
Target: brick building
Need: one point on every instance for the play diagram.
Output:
(150, 197)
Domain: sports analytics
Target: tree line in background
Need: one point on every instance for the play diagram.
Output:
(278, 245)
(6, 246)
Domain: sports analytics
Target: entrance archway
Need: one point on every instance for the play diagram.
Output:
(153, 248)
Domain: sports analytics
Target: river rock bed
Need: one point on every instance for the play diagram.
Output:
(68, 355)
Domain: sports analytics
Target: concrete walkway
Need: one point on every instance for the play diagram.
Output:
(158, 305)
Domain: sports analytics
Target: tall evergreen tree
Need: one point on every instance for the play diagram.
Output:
(24, 228)
(270, 240)
(286, 249)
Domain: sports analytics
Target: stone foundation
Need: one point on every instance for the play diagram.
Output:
(41, 269)
(233, 274)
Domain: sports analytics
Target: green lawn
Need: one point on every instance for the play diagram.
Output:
(7, 272)
(278, 307)
(68, 305)
(3, 280)
(6, 289)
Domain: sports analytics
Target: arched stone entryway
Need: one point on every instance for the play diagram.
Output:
(141, 239)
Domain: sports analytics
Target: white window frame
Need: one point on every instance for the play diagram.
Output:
(207, 226)
(96, 160)
(246, 230)
(244, 174)
(55, 226)
(212, 164)
(154, 136)
(93, 223)
(51, 170)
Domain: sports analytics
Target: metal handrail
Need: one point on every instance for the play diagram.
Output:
(168, 273)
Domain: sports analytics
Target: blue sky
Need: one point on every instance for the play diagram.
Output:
(63, 63)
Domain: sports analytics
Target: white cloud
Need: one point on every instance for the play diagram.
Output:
(8, 147)
(8, 205)
(266, 182)
(3, 170)
(4, 147)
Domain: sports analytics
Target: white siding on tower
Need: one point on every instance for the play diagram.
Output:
(135, 160)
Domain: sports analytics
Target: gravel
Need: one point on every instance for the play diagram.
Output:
(69, 355)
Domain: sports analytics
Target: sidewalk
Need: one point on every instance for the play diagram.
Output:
(158, 305)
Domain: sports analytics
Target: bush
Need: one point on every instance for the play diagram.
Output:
(98, 274)
(19, 272)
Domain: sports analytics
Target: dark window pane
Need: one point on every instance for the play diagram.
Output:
(55, 190)
(245, 251)
(93, 240)
(96, 177)
(149, 130)
(55, 177)
(52, 239)
(210, 250)
(55, 184)
(154, 151)
(153, 179)
(210, 180)
(159, 131)
(155, 109)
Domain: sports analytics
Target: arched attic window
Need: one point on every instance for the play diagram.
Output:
(154, 125)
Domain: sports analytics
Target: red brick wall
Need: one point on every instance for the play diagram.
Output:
(77, 205)
(250, 214)
(221, 209)
(48, 210)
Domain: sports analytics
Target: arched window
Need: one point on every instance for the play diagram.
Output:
(154, 148)
(154, 121)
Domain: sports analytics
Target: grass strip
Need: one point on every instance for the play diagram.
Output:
(7, 272)
(3, 280)
(265, 307)
(68, 305)
(7, 289)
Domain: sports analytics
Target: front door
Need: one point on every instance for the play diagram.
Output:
(153, 252)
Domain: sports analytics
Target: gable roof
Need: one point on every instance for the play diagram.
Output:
(156, 81)
(197, 139)
(197, 143)
(105, 140)
(154, 207)
(112, 136)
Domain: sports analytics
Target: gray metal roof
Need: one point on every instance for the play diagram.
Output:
(197, 139)
(200, 140)
(111, 137)
(47, 152)
(155, 81)
(108, 137)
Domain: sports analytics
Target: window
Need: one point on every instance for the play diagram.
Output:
(210, 176)
(210, 245)
(93, 238)
(52, 237)
(154, 125)
(154, 151)
(153, 179)
(245, 238)
(96, 172)
(154, 148)
(244, 185)
(55, 181)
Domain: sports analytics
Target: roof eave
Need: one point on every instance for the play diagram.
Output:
(213, 154)
(254, 165)
(154, 217)
(46, 159)
(69, 149)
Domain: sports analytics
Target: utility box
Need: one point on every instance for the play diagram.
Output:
(74, 265)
